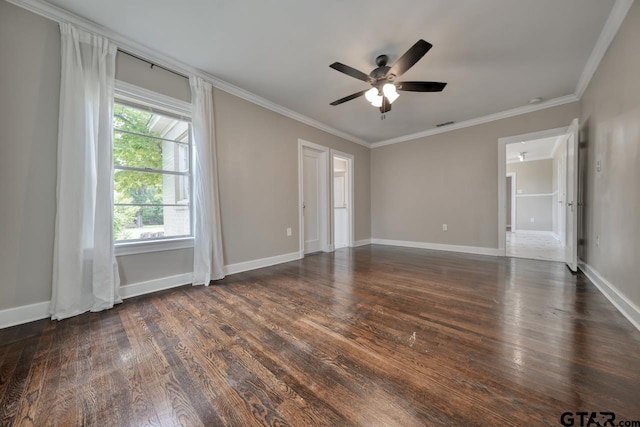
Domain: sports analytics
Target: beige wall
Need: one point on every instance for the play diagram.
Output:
(140, 73)
(611, 134)
(29, 93)
(258, 152)
(450, 178)
(533, 178)
(257, 160)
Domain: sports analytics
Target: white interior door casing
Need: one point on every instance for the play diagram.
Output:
(512, 196)
(571, 223)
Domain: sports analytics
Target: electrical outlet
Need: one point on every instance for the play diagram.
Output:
(289, 231)
(597, 241)
(532, 219)
(445, 227)
(598, 166)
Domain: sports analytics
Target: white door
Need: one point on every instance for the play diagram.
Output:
(572, 197)
(562, 193)
(311, 203)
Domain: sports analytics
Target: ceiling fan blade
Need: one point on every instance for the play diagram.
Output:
(410, 57)
(349, 98)
(350, 71)
(420, 86)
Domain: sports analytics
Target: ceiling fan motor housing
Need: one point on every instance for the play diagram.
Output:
(379, 75)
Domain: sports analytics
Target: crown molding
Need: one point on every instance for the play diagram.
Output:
(58, 14)
(609, 31)
(480, 120)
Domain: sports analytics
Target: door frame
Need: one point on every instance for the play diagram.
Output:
(514, 227)
(350, 199)
(502, 173)
(325, 226)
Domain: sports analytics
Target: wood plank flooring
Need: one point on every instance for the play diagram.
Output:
(369, 336)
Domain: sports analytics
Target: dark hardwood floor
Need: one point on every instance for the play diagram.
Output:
(371, 336)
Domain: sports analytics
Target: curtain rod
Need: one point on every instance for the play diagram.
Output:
(153, 64)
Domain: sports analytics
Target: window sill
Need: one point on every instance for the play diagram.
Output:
(133, 248)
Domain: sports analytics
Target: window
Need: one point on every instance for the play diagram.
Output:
(152, 174)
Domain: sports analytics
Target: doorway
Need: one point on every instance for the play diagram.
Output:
(313, 187)
(342, 199)
(532, 195)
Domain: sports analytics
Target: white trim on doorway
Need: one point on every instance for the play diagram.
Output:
(324, 195)
(502, 172)
(514, 186)
(350, 195)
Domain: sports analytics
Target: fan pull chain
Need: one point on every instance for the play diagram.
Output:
(383, 116)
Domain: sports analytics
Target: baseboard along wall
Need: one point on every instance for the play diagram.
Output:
(438, 247)
(32, 312)
(29, 313)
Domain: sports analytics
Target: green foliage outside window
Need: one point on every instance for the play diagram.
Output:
(130, 186)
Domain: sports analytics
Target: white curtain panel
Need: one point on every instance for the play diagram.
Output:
(85, 274)
(208, 261)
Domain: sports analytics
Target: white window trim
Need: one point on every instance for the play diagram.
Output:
(138, 95)
(148, 246)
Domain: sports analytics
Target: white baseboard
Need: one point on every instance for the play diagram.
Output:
(260, 263)
(439, 247)
(624, 305)
(29, 313)
(361, 243)
(141, 288)
(24, 314)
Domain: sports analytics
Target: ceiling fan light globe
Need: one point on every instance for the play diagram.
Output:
(390, 92)
(377, 102)
(371, 94)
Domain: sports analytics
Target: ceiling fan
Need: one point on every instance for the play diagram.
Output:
(382, 79)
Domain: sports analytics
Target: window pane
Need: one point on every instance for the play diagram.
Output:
(150, 205)
(150, 188)
(151, 222)
(142, 152)
(146, 123)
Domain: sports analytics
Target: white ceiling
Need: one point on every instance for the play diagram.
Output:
(536, 149)
(496, 55)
